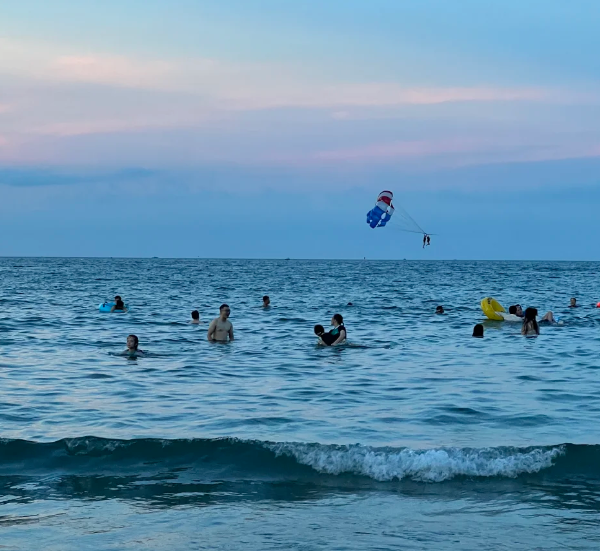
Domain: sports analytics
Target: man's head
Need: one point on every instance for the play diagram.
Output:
(439, 309)
(519, 310)
(319, 330)
(478, 331)
(195, 315)
(266, 301)
(224, 311)
(573, 302)
(512, 310)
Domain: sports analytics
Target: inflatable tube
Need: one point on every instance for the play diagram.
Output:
(491, 308)
(106, 306)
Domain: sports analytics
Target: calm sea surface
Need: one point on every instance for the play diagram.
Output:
(414, 436)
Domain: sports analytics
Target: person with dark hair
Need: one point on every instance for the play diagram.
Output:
(424, 240)
(439, 309)
(324, 338)
(478, 331)
(428, 240)
(530, 325)
(266, 301)
(195, 317)
(573, 303)
(221, 329)
(339, 329)
(132, 347)
(119, 305)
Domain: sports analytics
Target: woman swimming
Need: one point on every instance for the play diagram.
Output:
(132, 347)
(530, 326)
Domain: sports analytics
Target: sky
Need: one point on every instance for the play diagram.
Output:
(266, 129)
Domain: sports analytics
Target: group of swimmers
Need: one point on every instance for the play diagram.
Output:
(530, 327)
(220, 329)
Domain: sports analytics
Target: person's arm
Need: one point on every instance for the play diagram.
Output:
(211, 330)
(230, 332)
(341, 338)
(113, 308)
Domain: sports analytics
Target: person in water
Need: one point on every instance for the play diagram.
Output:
(478, 331)
(439, 309)
(324, 338)
(424, 240)
(221, 329)
(573, 303)
(428, 240)
(132, 347)
(266, 302)
(530, 326)
(339, 329)
(195, 317)
(119, 305)
(516, 310)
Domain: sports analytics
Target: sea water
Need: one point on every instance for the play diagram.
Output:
(413, 436)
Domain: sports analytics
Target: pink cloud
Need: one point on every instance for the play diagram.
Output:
(403, 149)
(115, 70)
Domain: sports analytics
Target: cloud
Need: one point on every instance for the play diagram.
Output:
(461, 151)
(242, 86)
(62, 105)
(44, 176)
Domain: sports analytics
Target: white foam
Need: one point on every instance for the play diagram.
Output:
(435, 465)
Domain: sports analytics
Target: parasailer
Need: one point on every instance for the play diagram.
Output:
(381, 214)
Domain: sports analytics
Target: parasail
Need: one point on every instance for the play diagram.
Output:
(380, 215)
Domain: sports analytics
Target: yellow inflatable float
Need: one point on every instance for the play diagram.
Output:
(491, 308)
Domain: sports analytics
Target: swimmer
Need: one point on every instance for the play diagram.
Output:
(518, 311)
(132, 347)
(339, 329)
(221, 329)
(266, 302)
(439, 309)
(530, 326)
(324, 338)
(195, 317)
(478, 331)
(573, 303)
(119, 305)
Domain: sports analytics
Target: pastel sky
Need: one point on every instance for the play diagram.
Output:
(265, 128)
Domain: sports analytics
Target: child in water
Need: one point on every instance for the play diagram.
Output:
(478, 331)
(324, 338)
(132, 347)
(195, 317)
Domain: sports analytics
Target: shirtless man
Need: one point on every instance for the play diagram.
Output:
(220, 328)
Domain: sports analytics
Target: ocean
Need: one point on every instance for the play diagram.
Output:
(413, 436)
